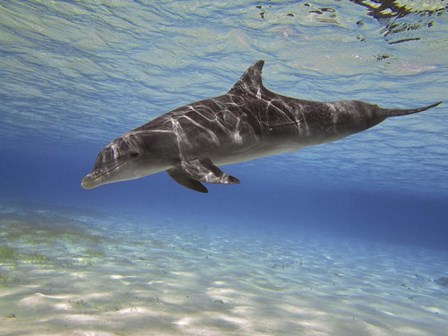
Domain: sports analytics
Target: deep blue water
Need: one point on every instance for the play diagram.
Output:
(284, 203)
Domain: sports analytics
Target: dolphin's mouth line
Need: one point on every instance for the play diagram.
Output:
(107, 172)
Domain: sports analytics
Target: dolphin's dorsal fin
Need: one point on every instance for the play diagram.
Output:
(250, 81)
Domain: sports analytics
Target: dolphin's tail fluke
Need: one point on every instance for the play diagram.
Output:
(396, 112)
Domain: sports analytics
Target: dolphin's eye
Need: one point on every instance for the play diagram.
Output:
(134, 155)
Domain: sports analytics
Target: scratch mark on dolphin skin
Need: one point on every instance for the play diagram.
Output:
(212, 135)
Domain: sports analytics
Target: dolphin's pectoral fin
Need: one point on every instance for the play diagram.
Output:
(186, 181)
(205, 171)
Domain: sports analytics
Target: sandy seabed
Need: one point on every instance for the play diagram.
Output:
(72, 273)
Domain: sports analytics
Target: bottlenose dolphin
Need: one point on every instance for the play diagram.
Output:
(246, 123)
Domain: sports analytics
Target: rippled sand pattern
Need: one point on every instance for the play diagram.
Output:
(67, 274)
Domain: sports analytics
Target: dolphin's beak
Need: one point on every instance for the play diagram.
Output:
(87, 182)
(98, 177)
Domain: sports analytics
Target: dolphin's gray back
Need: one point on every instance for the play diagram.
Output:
(226, 123)
(250, 121)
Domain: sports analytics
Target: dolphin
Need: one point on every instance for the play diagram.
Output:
(246, 123)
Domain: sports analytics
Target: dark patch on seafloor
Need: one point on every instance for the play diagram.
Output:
(442, 281)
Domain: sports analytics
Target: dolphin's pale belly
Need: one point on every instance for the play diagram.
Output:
(258, 151)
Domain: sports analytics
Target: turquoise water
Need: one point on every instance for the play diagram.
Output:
(344, 238)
